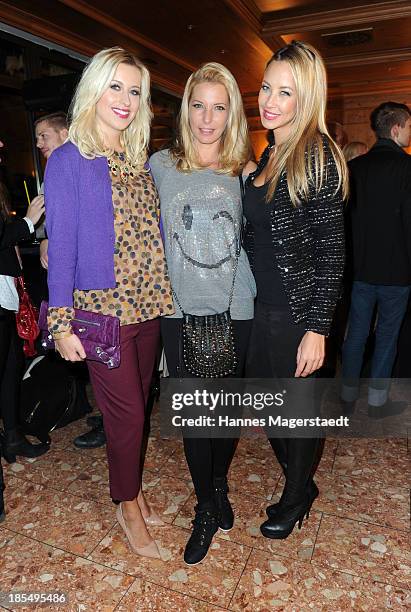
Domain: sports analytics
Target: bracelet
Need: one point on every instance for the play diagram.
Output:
(63, 334)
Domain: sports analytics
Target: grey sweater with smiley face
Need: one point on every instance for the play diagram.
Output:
(201, 213)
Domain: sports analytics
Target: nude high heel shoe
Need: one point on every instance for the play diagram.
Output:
(154, 520)
(150, 550)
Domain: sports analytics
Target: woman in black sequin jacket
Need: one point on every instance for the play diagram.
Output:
(294, 238)
(309, 245)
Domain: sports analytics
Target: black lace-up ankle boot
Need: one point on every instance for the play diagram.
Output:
(205, 525)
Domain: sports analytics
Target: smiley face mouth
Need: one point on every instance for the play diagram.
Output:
(200, 264)
(187, 218)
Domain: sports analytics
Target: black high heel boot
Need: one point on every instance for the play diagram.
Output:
(14, 444)
(280, 527)
(312, 489)
(312, 492)
(295, 502)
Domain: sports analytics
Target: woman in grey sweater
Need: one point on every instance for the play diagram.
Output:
(199, 185)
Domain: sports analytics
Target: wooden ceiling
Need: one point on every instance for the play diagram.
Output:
(366, 43)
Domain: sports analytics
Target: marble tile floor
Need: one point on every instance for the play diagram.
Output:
(60, 533)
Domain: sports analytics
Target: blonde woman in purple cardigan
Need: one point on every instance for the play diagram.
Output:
(106, 256)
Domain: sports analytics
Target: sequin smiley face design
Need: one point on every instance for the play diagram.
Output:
(205, 231)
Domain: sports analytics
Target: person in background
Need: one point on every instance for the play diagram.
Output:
(354, 149)
(380, 220)
(295, 241)
(13, 442)
(106, 256)
(336, 131)
(51, 132)
(335, 339)
(199, 186)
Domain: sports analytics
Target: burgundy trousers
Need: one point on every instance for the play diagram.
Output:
(121, 395)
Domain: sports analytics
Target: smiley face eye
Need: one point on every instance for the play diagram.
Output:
(187, 217)
(223, 214)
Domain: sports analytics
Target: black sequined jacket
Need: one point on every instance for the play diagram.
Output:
(309, 246)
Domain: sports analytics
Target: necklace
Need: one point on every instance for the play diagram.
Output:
(121, 168)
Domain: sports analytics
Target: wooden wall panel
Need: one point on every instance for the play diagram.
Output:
(173, 36)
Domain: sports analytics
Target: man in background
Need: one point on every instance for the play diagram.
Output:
(51, 132)
(380, 218)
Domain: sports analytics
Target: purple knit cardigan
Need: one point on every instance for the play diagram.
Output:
(80, 224)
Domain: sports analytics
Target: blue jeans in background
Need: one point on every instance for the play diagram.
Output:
(392, 303)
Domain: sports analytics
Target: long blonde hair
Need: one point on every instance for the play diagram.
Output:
(305, 143)
(94, 81)
(235, 148)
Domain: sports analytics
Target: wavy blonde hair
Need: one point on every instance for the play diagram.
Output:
(235, 148)
(305, 143)
(94, 81)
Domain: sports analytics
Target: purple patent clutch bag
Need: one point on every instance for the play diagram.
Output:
(99, 335)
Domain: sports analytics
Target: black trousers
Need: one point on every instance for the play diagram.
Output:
(272, 354)
(11, 369)
(207, 458)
